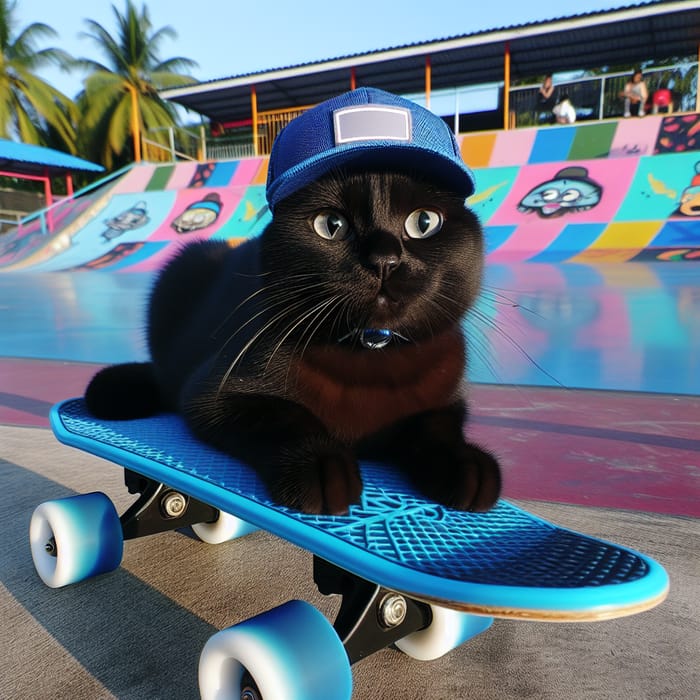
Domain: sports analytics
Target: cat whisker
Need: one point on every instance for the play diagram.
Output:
(282, 284)
(258, 334)
(292, 327)
(491, 324)
(497, 297)
(311, 329)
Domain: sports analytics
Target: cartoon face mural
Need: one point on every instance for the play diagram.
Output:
(128, 220)
(198, 215)
(690, 199)
(570, 190)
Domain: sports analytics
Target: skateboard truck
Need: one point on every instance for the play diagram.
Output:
(160, 508)
(371, 617)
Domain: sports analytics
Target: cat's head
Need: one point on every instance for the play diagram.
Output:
(368, 197)
(376, 250)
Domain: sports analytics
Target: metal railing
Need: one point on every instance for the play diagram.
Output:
(230, 147)
(270, 123)
(45, 217)
(168, 144)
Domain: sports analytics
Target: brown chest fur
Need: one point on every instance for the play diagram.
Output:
(356, 393)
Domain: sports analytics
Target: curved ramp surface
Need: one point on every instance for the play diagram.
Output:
(136, 223)
(597, 192)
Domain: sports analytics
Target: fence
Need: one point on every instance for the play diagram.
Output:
(271, 123)
(167, 143)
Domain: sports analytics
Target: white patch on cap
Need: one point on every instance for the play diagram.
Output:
(371, 123)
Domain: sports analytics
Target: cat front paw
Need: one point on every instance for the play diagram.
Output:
(317, 479)
(467, 479)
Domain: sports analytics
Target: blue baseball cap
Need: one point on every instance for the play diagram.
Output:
(367, 128)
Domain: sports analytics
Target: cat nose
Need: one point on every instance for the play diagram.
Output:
(383, 265)
(383, 254)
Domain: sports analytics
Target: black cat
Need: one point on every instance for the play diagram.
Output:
(336, 334)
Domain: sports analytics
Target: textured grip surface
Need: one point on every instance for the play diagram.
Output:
(393, 525)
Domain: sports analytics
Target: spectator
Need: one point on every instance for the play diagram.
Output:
(564, 112)
(546, 99)
(662, 101)
(635, 95)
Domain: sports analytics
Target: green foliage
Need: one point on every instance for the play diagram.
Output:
(132, 71)
(31, 110)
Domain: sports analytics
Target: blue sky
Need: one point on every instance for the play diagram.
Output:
(231, 37)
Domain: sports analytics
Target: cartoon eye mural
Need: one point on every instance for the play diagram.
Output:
(128, 220)
(571, 190)
(198, 215)
(690, 197)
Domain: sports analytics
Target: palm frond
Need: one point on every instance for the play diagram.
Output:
(120, 125)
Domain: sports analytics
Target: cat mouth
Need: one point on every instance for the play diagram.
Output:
(384, 309)
(385, 300)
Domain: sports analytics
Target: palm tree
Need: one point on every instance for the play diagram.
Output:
(120, 99)
(30, 107)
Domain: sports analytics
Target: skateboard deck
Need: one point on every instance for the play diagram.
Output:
(504, 563)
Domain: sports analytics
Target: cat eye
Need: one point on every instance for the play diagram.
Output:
(331, 225)
(423, 223)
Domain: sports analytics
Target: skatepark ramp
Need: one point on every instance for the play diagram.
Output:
(608, 191)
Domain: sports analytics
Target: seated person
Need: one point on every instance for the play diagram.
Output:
(635, 95)
(564, 112)
(662, 101)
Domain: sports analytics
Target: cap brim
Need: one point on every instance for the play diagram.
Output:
(404, 157)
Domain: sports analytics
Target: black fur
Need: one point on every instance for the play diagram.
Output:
(256, 346)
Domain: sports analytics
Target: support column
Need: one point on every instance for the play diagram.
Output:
(49, 198)
(135, 123)
(254, 112)
(506, 87)
(353, 79)
(428, 80)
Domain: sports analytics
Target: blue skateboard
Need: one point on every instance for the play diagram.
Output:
(411, 573)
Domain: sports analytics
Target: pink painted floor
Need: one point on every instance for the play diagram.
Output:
(592, 444)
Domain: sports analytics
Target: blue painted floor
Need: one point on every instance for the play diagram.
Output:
(627, 326)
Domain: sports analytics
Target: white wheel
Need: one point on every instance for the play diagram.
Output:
(75, 538)
(226, 527)
(292, 653)
(447, 631)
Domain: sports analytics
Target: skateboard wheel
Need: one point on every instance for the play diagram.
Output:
(290, 652)
(226, 527)
(448, 629)
(75, 538)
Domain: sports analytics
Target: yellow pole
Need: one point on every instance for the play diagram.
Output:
(428, 81)
(697, 84)
(254, 110)
(135, 123)
(506, 87)
(353, 79)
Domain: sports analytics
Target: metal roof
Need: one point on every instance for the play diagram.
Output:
(34, 160)
(623, 36)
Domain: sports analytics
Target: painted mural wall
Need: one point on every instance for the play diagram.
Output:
(605, 191)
